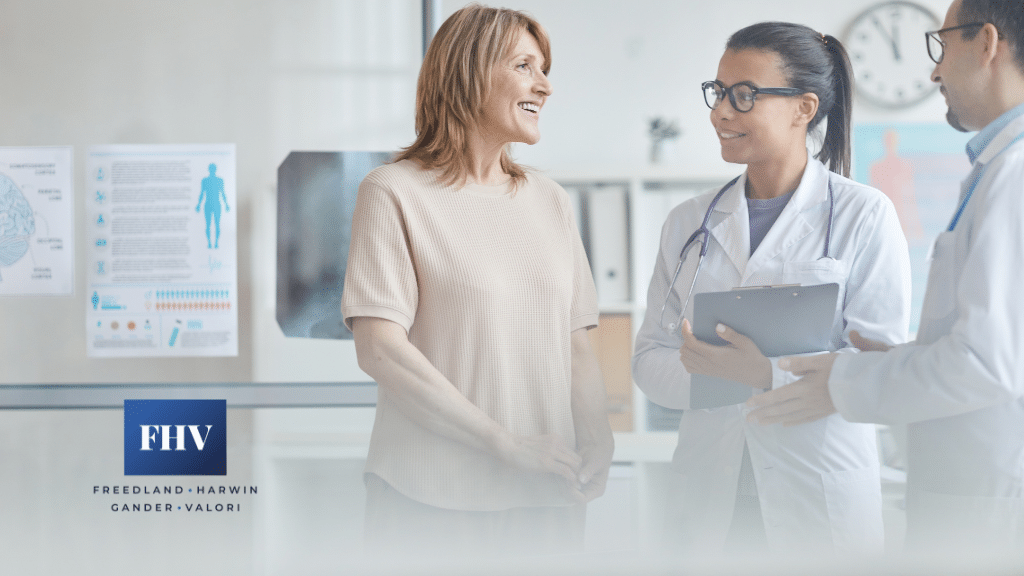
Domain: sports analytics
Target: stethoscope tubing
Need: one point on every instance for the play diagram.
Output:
(703, 235)
(702, 232)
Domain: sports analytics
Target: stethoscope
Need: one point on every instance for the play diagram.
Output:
(703, 235)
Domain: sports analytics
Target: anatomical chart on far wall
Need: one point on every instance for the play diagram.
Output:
(920, 168)
(37, 250)
(162, 251)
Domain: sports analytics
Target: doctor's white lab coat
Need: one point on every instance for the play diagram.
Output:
(960, 385)
(818, 483)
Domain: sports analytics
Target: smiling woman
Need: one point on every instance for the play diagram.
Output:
(519, 88)
(469, 296)
(481, 66)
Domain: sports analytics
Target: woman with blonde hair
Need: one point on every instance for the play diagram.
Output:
(470, 295)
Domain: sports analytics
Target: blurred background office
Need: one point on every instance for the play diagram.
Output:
(626, 131)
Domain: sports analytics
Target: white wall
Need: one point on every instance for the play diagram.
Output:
(618, 64)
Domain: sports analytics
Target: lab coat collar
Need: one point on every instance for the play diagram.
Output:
(733, 232)
(1001, 140)
(982, 140)
(813, 187)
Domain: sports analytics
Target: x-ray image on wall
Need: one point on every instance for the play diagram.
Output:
(316, 193)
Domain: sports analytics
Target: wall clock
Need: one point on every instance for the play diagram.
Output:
(887, 49)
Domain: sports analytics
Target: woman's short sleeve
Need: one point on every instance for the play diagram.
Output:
(380, 280)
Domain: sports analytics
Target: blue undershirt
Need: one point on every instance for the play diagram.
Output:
(763, 214)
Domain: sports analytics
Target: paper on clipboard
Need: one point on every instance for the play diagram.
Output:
(781, 320)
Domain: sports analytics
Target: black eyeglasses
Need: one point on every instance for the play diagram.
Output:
(741, 94)
(936, 47)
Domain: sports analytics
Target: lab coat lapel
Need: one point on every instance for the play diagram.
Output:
(793, 224)
(1002, 141)
(732, 232)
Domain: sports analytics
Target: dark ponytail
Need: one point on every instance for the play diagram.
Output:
(835, 149)
(815, 63)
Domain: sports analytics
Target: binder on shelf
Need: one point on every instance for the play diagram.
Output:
(649, 214)
(609, 242)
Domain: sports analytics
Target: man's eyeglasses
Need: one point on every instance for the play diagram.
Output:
(742, 95)
(935, 44)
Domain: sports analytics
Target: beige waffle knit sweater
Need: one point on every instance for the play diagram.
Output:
(489, 286)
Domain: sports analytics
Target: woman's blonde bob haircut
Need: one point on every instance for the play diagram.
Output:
(454, 81)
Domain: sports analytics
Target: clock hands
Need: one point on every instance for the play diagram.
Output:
(875, 40)
(891, 36)
(895, 41)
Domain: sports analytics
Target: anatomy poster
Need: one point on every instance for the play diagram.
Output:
(920, 168)
(37, 249)
(162, 251)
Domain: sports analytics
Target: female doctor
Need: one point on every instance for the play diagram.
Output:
(813, 488)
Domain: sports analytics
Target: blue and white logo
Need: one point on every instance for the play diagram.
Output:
(175, 437)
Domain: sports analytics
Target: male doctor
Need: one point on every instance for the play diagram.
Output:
(960, 385)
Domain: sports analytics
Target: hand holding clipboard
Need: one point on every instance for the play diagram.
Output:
(780, 320)
(740, 360)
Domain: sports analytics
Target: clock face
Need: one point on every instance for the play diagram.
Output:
(887, 48)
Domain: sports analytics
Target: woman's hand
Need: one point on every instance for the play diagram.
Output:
(740, 360)
(426, 397)
(594, 440)
(544, 453)
(597, 459)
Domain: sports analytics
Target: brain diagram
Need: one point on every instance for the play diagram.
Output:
(16, 222)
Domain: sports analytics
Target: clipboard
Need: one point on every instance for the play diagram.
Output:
(781, 320)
